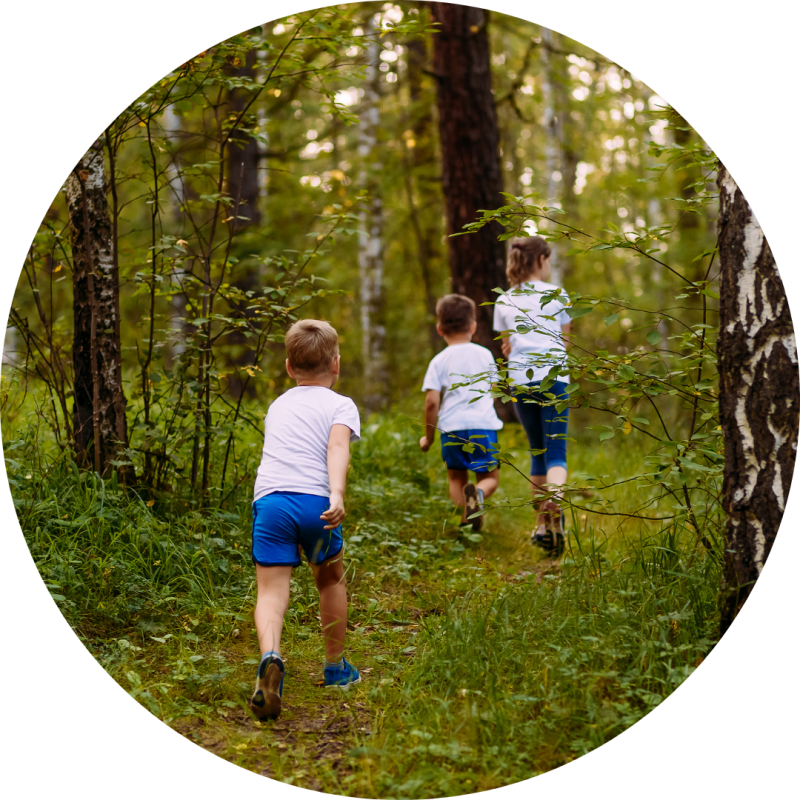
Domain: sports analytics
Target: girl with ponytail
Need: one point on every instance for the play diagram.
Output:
(533, 319)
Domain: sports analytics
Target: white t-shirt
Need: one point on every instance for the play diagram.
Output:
(523, 306)
(456, 413)
(296, 432)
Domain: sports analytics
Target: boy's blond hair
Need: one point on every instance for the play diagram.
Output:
(311, 346)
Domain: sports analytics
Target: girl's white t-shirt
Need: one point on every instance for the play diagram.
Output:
(523, 306)
(449, 367)
(296, 432)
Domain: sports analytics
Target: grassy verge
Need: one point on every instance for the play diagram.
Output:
(483, 663)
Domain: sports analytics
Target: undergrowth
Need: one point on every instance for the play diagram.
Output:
(483, 663)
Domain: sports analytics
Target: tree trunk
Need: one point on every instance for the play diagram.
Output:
(99, 400)
(759, 395)
(551, 122)
(471, 176)
(424, 203)
(244, 188)
(10, 347)
(370, 241)
(176, 344)
(471, 172)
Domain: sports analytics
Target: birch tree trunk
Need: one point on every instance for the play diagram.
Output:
(422, 180)
(759, 395)
(551, 124)
(471, 176)
(370, 240)
(172, 129)
(10, 346)
(99, 399)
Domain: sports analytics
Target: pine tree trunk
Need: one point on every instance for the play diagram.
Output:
(471, 176)
(100, 428)
(759, 395)
(370, 242)
(471, 172)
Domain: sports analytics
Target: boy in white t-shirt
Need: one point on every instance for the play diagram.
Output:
(466, 426)
(299, 503)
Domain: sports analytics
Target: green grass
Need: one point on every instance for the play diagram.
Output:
(484, 664)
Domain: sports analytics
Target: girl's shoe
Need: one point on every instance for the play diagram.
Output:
(539, 536)
(342, 677)
(554, 526)
(475, 499)
(266, 700)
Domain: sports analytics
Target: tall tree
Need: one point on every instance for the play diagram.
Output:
(471, 176)
(244, 190)
(175, 202)
(759, 394)
(99, 399)
(422, 174)
(370, 240)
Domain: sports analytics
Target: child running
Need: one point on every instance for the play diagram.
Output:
(462, 419)
(299, 504)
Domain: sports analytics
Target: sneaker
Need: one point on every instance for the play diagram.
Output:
(475, 500)
(266, 700)
(341, 677)
(539, 536)
(554, 526)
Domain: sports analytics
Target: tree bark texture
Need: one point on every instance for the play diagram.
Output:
(175, 203)
(99, 400)
(370, 240)
(244, 188)
(759, 395)
(423, 176)
(471, 176)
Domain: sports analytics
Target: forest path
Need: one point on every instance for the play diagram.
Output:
(318, 738)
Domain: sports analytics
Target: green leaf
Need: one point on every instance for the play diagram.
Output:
(626, 372)
(654, 337)
(573, 387)
(641, 420)
(611, 319)
(579, 311)
(606, 435)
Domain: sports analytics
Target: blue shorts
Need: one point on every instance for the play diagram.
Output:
(483, 446)
(546, 428)
(285, 521)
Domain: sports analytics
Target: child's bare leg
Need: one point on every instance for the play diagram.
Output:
(557, 476)
(458, 479)
(329, 577)
(487, 482)
(271, 605)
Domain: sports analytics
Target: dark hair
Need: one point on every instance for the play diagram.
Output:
(524, 256)
(455, 313)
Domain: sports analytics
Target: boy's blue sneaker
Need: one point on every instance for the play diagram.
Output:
(266, 700)
(341, 677)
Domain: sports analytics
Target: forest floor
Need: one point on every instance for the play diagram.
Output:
(483, 662)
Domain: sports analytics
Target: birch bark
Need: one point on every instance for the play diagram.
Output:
(99, 399)
(759, 395)
(370, 240)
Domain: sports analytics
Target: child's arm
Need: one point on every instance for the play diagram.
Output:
(432, 401)
(338, 461)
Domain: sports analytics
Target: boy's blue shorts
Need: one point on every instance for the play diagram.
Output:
(282, 521)
(479, 460)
